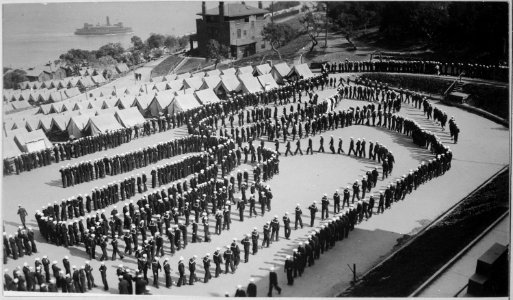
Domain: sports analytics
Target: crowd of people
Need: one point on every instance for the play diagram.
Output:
(492, 72)
(205, 196)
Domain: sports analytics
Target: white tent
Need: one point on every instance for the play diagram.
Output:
(206, 96)
(129, 117)
(214, 72)
(183, 76)
(143, 101)
(9, 148)
(250, 84)
(230, 71)
(228, 84)
(245, 70)
(210, 82)
(76, 125)
(32, 141)
(301, 70)
(175, 85)
(280, 72)
(267, 82)
(262, 69)
(193, 83)
(125, 101)
(183, 103)
(32, 123)
(159, 103)
(199, 74)
(101, 124)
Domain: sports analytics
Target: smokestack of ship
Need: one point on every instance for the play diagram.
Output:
(260, 4)
(108, 22)
(221, 11)
(203, 8)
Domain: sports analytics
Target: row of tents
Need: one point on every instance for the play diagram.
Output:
(42, 95)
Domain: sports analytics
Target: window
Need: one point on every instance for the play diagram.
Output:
(263, 46)
(246, 19)
(245, 33)
(238, 33)
(252, 24)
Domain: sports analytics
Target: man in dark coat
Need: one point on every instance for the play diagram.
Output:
(273, 283)
(123, 286)
(251, 291)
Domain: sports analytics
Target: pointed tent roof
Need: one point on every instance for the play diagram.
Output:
(129, 117)
(250, 84)
(85, 82)
(262, 69)
(157, 79)
(76, 125)
(14, 132)
(10, 124)
(101, 124)
(169, 77)
(20, 104)
(9, 148)
(59, 122)
(32, 123)
(125, 101)
(98, 79)
(45, 123)
(109, 103)
(210, 82)
(183, 75)
(244, 70)
(143, 101)
(200, 74)
(72, 92)
(183, 103)
(267, 81)
(122, 68)
(301, 70)
(161, 86)
(175, 85)
(230, 83)
(206, 96)
(280, 71)
(45, 109)
(107, 111)
(160, 102)
(230, 71)
(24, 85)
(193, 83)
(57, 96)
(184, 92)
(214, 72)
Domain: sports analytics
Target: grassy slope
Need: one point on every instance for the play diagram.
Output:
(405, 271)
(166, 66)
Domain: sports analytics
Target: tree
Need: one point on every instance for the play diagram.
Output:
(183, 41)
(216, 51)
(114, 50)
(313, 24)
(11, 79)
(137, 42)
(107, 60)
(155, 41)
(170, 42)
(278, 34)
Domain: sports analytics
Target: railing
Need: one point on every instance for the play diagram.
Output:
(451, 87)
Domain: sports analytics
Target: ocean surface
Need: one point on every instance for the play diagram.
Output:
(35, 33)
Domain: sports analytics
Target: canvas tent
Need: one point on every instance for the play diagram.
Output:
(98, 79)
(210, 82)
(32, 123)
(32, 141)
(250, 84)
(206, 96)
(9, 148)
(175, 85)
(76, 125)
(214, 72)
(245, 70)
(280, 72)
(193, 83)
(183, 76)
(267, 82)
(301, 70)
(228, 84)
(199, 74)
(183, 103)
(230, 71)
(129, 117)
(262, 69)
(101, 124)
(159, 103)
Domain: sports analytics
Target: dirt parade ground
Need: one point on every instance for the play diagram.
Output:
(482, 150)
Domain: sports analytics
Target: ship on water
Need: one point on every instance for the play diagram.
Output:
(107, 29)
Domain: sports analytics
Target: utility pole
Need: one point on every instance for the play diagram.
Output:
(272, 13)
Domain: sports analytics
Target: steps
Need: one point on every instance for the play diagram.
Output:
(458, 87)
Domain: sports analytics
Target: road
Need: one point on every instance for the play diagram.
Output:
(482, 150)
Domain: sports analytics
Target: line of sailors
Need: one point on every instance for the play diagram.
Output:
(19, 244)
(492, 72)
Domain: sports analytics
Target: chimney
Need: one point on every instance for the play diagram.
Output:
(203, 8)
(243, 2)
(221, 11)
(260, 4)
